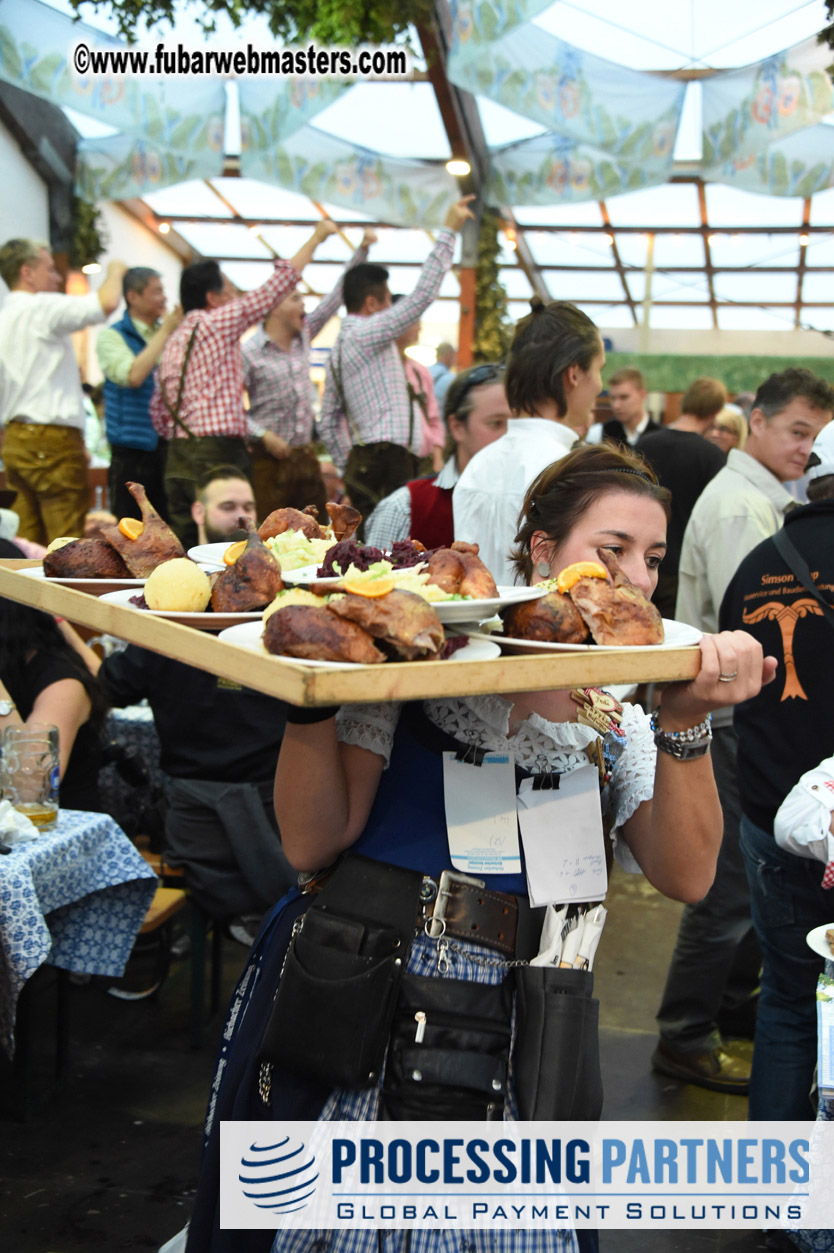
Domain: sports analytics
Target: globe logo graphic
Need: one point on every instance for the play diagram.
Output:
(280, 1177)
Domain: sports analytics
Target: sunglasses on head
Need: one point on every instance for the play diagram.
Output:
(490, 372)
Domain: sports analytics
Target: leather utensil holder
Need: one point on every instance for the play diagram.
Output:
(556, 1052)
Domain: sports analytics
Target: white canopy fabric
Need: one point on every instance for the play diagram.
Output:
(658, 98)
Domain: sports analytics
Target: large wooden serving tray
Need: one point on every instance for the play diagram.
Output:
(302, 685)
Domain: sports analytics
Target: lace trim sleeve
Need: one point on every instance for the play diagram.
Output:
(632, 781)
(369, 726)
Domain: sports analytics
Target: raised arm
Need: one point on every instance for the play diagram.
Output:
(232, 319)
(329, 306)
(150, 354)
(389, 323)
(110, 292)
(324, 229)
(324, 791)
(676, 836)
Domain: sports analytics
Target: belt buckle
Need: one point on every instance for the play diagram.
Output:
(447, 879)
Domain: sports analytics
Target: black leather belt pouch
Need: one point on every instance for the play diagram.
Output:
(449, 1051)
(556, 1052)
(332, 1011)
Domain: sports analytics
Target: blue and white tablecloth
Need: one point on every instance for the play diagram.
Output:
(76, 898)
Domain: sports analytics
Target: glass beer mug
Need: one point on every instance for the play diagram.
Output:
(30, 772)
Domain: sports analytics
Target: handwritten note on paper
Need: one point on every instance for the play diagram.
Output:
(562, 837)
(481, 817)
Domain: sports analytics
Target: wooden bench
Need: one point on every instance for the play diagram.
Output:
(200, 922)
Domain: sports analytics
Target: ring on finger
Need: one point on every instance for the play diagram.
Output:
(727, 678)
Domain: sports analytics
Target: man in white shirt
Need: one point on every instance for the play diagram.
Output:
(712, 981)
(553, 378)
(41, 401)
(627, 393)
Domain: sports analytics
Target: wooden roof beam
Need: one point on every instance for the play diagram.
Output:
(618, 265)
(464, 130)
(702, 206)
(801, 268)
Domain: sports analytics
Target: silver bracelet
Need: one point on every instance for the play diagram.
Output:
(685, 745)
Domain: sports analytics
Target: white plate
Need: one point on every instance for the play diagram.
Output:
(448, 611)
(307, 574)
(211, 554)
(677, 635)
(36, 572)
(249, 635)
(208, 621)
(816, 940)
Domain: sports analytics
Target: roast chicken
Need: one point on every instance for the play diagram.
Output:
(157, 542)
(344, 520)
(459, 571)
(281, 520)
(318, 635)
(251, 583)
(85, 559)
(616, 613)
(553, 619)
(406, 626)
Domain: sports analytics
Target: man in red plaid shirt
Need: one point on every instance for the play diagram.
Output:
(198, 403)
(366, 420)
(276, 370)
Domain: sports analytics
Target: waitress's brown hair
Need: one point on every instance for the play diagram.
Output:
(557, 499)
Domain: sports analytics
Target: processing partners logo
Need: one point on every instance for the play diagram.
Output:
(280, 1176)
(467, 1176)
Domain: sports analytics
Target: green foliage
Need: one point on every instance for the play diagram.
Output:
(88, 237)
(294, 21)
(493, 329)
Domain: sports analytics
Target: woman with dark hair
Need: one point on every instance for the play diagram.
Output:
(379, 775)
(476, 414)
(553, 378)
(43, 679)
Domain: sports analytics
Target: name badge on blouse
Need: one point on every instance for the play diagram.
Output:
(563, 840)
(481, 818)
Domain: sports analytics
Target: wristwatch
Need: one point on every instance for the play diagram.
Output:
(6, 707)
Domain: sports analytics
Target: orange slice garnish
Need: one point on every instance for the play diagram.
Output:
(232, 553)
(369, 587)
(579, 570)
(131, 528)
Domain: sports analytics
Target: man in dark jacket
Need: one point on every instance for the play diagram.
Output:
(219, 745)
(784, 732)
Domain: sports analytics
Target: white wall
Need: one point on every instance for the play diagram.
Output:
(24, 201)
(723, 343)
(130, 241)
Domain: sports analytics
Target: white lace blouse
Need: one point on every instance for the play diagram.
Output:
(484, 720)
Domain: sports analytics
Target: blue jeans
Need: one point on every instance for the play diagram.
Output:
(715, 966)
(786, 902)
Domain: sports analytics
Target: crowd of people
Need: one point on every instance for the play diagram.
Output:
(708, 794)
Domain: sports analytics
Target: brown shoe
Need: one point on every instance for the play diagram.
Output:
(712, 1069)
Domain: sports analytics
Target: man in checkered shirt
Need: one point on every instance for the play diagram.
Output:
(366, 417)
(198, 402)
(276, 372)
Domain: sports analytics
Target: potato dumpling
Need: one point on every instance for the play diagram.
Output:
(178, 586)
(293, 596)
